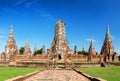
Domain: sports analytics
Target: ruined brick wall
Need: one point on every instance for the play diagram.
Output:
(32, 58)
(40, 58)
(96, 58)
(83, 58)
(78, 58)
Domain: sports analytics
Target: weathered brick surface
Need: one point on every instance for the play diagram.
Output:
(57, 75)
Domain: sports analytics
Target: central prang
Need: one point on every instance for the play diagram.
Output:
(60, 46)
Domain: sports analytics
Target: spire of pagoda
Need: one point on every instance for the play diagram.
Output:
(60, 30)
(43, 49)
(11, 47)
(75, 49)
(35, 48)
(27, 48)
(108, 34)
(11, 35)
(91, 51)
(107, 47)
(91, 48)
(27, 43)
(83, 49)
(11, 41)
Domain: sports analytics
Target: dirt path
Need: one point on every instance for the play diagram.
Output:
(57, 75)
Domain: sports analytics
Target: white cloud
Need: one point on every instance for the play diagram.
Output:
(10, 10)
(48, 16)
(45, 15)
(89, 39)
(26, 3)
(20, 2)
(2, 37)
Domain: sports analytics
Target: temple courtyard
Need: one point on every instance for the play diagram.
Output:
(53, 74)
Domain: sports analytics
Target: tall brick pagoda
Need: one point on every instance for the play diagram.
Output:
(27, 50)
(11, 49)
(91, 51)
(35, 48)
(60, 44)
(75, 50)
(83, 49)
(107, 51)
(43, 49)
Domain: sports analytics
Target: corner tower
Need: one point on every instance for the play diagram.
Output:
(107, 49)
(91, 51)
(11, 49)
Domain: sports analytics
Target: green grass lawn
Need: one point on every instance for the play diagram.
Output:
(10, 72)
(108, 73)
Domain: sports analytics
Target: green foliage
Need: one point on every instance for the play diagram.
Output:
(21, 50)
(109, 73)
(96, 53)
(119, 57)
(11, 72)
(82, 52)
(38, 52)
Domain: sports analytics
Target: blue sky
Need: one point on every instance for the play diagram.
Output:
(36, 19)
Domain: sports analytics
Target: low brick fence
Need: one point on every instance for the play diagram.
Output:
(115, 63)
(2, 63)
(88, 76)
(86, 64)
(35, 64)
(31, 64)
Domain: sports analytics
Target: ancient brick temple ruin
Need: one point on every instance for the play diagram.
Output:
(107, 52)
(11, 49)
(59, 49)
(60, 46)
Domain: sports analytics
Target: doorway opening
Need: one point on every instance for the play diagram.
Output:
(59, 57)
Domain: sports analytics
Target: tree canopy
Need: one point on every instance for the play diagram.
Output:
(82, 52)
(119, 57)
(21, 50)
(39, 51)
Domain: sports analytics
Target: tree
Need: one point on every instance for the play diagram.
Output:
(96, 53)
(82, 52)
(21, 50)
(119, 57)
(39, 51)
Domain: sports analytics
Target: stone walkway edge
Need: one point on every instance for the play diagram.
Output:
(88, 76)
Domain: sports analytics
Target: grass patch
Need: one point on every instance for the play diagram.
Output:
(109, 73)
(11, 72)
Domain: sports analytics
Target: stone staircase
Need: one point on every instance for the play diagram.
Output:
(12, 64)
